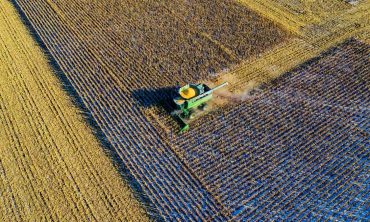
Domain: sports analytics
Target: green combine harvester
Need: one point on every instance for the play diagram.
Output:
(191, 98)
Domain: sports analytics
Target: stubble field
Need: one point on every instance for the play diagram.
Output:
(289, 143)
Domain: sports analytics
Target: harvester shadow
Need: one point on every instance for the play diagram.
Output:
(160, 103)
(160, 98)
(154, 97)
(77, 101)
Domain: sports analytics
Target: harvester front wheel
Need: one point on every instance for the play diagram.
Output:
(191, 116)
(203, 107)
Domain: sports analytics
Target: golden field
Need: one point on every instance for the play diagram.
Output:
(123, 58)
(52, 168)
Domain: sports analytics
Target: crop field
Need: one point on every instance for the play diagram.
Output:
(288, 140)
(307, 126)
(299, 16)
(84, 50)
(51, 166)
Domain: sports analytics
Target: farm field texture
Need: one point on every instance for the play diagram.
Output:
(107, 80)
(295, 148)
(52, 168)
(307, 135)
(317, 26)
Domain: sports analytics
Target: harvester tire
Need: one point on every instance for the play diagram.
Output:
(203, 107)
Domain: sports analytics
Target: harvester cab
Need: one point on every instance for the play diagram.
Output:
(191, 98)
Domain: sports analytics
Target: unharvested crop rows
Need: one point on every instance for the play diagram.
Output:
(51, 166)
(146, 42)
(297, 150)
(107, 66)
(238, 29)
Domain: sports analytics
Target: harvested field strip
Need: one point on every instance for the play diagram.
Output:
(277, 14)
(270, 65)
(296, 15)
(51, 166)
(284, 58)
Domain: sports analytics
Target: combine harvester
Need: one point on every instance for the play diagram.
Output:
(190, 99)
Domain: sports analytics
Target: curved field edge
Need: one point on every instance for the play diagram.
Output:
(51, 165)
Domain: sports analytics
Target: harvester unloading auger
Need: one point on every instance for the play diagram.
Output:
(190, 98)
